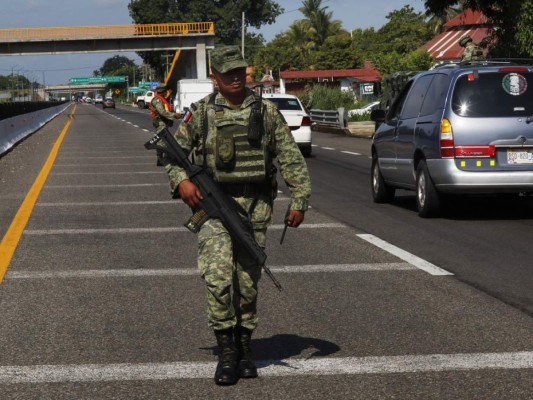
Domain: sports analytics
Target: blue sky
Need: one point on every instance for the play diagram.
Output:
(56, 69)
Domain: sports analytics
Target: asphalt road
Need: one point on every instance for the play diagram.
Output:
(101, 299)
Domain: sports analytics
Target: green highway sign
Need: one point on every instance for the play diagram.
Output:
(98, 79)
(134, 89)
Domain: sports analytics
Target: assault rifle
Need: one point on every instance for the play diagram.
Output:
(216, 204)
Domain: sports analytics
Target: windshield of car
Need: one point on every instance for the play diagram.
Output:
(501, 94)
(286, 104)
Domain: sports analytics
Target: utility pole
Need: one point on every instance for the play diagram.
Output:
(242, 35)
(167, 63)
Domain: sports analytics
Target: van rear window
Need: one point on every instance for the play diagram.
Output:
(494, 95)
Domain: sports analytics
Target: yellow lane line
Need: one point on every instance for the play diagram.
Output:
(12, 237)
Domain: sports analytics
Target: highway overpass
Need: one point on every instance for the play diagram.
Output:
(189, 41)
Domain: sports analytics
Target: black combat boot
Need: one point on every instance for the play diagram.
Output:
(246, 367)
(226, 372)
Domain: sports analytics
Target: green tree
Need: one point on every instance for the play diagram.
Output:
(278, 54)
(5, 82)
(320, 21)
(366, 41)
(299, 34)
(227, 15)
(111, 65)
(406, 31)
(436, 21)
(524, 29)
(337, 52)
(119, 66)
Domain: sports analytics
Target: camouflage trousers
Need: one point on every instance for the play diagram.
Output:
(231, 289)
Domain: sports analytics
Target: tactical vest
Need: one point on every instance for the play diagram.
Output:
(168, 106)
(229, 155)
(473, 53)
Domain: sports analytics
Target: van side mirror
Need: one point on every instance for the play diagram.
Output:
(377, 115)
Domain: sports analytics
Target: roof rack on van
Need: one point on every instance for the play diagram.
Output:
(484, 62)
(511, 61)
(446, 64)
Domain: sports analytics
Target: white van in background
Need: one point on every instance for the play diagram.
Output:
(189, 91)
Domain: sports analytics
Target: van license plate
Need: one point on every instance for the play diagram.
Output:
(519, 156)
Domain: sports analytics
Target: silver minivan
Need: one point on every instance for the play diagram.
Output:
(458, 129)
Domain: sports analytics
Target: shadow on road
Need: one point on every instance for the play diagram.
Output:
(283, 346)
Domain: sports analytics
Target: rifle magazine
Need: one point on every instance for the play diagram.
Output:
(196, 221)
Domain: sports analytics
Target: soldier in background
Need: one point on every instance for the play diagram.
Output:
(162, 114)
(238, 153)
(472, 51)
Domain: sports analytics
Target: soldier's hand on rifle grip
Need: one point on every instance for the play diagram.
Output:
(189, 193)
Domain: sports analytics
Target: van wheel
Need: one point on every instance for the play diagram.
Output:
(381, 192)
(428, 200)
(140, 104)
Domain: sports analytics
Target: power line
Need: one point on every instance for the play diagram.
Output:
(56, 70)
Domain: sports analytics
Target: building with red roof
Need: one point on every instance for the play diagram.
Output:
(360, 80)
(445, 47)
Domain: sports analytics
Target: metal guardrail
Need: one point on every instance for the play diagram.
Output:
(336, 118)
(110, 31)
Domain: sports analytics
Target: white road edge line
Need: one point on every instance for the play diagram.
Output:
(404, 255)
(288, 269)
(272, 368)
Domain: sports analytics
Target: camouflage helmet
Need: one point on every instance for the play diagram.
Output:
(161, 87)
(464, 40)
(226, 58)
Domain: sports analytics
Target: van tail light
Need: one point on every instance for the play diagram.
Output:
(513, 69)
(449, 150)
(306, 121)
(446, 139)
(475, 151)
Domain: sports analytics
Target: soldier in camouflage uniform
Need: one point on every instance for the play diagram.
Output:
(472, 51)
(162, 114)
(215, 130)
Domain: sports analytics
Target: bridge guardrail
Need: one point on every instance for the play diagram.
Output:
(19, 120)
(335, 118)
(80, 32)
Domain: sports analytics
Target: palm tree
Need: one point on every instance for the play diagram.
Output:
(437, 21)
(300, 34)
(310, 7)
(320, 21)
(324, 26)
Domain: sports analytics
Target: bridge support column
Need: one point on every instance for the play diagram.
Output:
(201, 61)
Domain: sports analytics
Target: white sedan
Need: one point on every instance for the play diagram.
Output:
(296, 117)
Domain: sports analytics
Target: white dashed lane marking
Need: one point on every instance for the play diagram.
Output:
(404, 255)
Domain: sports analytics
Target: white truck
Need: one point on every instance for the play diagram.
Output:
(189, 91)
(143, 101)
